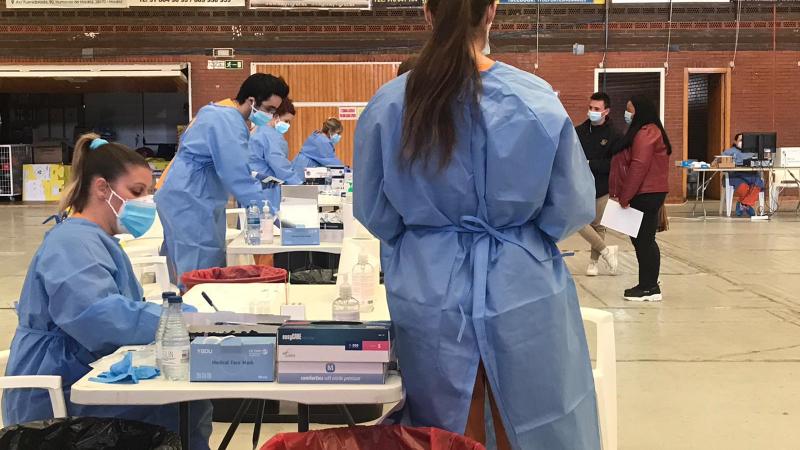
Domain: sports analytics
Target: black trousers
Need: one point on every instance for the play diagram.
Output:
(647, 252)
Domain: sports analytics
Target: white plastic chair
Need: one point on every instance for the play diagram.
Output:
(50, 382)
(157, 265)
(605, 374)
(233, 233)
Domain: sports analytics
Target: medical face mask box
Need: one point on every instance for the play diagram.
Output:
(299, 215)
(232, 358)
(334, 342)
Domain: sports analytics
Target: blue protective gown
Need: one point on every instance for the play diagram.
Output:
(317, 151)
(475, 273)
(81, 301)
(211, 163)
(269, 156)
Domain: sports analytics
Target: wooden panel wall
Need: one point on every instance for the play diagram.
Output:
(327, 86)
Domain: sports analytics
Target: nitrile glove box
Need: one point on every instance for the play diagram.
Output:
(232, 358)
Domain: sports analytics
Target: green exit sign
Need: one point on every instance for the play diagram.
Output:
(234, 64)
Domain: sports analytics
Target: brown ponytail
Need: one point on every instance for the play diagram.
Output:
(109, 161)
(445, 73)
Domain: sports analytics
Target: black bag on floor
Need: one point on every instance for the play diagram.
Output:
(88, 433)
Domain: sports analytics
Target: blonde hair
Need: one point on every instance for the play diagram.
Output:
(332, 126)
(106, 160)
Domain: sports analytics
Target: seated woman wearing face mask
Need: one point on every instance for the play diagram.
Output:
(81, 299)
(747, 185)
(318, 150)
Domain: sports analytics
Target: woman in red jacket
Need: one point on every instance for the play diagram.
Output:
(639, 179)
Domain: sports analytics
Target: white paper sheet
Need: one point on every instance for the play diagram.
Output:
(625, 220)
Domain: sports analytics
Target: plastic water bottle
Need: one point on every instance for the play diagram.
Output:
(267, 220)
(175, 345)
(162, 323)
(253, 231)
(365, 283)
(346, 308)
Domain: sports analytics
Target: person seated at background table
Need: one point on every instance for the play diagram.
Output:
(81, 300)
(747, 185)
(319, 150)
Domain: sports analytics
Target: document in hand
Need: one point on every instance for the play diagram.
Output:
(625, 220)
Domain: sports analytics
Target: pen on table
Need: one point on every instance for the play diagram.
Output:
(208, 300)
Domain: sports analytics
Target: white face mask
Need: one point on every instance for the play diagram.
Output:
(487, 49)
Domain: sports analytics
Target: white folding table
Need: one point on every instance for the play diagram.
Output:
(317, 298)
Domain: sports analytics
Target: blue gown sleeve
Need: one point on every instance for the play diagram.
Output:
(570, 201)
(86, 303)
(329, 160)
(229, 151)
(280, 164)
(259, 147)
(371, 206)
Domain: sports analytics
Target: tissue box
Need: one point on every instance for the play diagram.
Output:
(232, 359)
(299, 215)
(44, 182)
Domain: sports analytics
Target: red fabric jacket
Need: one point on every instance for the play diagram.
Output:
(641, 169)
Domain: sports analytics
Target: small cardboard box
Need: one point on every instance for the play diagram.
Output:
(723, 162)
(49, 153)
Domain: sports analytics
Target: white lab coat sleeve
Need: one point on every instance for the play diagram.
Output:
(85, 301)
(371, 206)
(229, 151)
(570, 201)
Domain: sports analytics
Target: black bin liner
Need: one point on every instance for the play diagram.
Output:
(88, 433)
(313, 276)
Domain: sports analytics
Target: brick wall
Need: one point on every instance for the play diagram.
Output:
(764, 85)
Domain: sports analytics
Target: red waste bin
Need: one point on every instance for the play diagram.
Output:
(234, 274)
(388, 437)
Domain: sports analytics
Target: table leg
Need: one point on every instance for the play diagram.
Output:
(703, 196)
(262, 404)
(344, 411)
(303, 417)
(183, 413)
(237, 419)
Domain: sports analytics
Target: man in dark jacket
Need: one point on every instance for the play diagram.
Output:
(598, 136)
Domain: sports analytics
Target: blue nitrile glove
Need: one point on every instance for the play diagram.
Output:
(123, 372)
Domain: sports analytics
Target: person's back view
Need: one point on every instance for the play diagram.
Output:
(473, 198)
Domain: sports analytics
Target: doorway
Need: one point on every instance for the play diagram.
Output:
(706, 121)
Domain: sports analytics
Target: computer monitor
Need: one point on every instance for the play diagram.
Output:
(762, 144)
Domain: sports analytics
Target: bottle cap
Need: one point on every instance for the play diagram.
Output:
(167, 295)
(175, 299)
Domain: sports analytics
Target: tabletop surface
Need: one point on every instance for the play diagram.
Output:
(239, 247)
(237, 298)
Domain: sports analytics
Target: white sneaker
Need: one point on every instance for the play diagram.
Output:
(611, 259)
(592, 270)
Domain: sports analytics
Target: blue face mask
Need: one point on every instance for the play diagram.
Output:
(282, 127)
(259, 118)
(135, 216)
(336, 138)
(628, 117)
